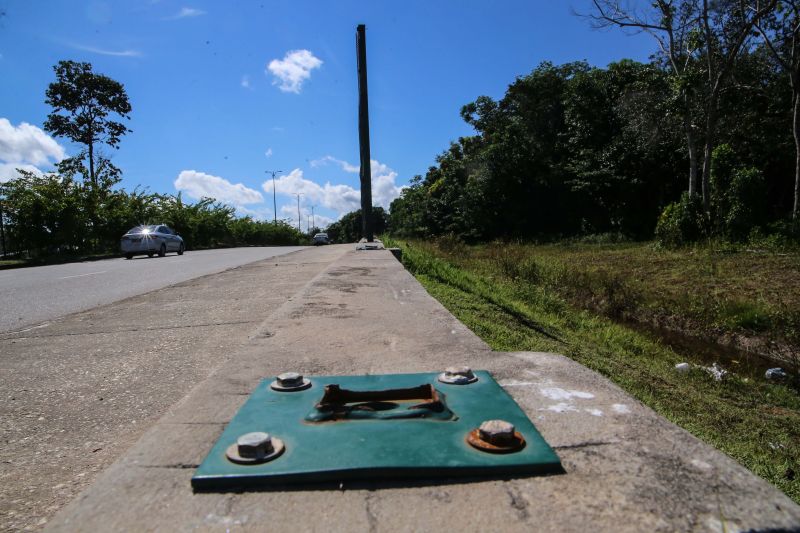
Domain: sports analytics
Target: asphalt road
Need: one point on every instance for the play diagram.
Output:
(31, 296)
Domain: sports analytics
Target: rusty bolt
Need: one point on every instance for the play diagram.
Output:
(497, 432)
(254, 445)
(290, 379)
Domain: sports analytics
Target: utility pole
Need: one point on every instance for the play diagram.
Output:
(274, 202)
(298, 194)
(313, 221)
(363, 134)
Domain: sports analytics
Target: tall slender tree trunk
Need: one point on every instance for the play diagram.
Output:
(708, 150)
(93, 240)
(92, 177)
(692, 144)
(796, 132)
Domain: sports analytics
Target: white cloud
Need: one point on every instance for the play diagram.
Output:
(8, 171)
(258, 213)
(105, 51)
(294, 69)
(25, 146)
(339, 198)
(384, 189)
(199, 185)
(347, 167)
(268, 153)
(321, 221)
(186, 12)
(246, 82)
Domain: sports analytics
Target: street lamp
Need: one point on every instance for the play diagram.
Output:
(298, 194)
(274, 202)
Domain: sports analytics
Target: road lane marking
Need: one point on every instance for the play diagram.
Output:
(88, 274)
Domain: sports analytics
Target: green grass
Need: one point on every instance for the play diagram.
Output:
(755, 422)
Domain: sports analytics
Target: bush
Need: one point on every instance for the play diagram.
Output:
(724, 163)
(746, 200)
(682, 222)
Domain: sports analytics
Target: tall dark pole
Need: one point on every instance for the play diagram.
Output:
(274, 201)
(363, 134)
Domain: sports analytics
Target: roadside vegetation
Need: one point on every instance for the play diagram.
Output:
(755, 421)
(743, 297)
(79, 211)
(650, 200)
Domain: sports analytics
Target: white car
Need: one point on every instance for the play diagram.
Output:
(151, 240)
(321, 238)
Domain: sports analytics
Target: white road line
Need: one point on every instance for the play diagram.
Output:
(81, 275)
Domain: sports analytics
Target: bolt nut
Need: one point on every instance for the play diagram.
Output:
(256, 445)
(497, 432)
(459, 371)
(290, 382)
(458, 375)
(290, 379)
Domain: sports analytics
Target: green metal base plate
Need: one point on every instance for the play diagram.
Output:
(364, 442)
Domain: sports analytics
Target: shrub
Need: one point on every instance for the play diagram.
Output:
(681, 222)
(746, 200)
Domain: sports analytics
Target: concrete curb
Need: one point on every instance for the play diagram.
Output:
(627, 469)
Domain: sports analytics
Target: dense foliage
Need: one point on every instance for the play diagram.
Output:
(348, 228)
(575, 150)
(46, 215)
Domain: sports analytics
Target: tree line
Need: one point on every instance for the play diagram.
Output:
(702, 141)
(79, 209)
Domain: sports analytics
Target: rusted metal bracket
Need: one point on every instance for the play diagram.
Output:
(338, 404)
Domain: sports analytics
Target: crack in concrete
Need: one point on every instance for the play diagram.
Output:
(584, 445)
(133, 330)
(371, 518)
(197, 423)
(180, 466)
(518, 502)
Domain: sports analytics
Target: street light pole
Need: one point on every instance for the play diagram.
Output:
(274, 202)
(313, 221)
(298, 194)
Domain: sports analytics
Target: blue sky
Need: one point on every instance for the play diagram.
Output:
(222, 92)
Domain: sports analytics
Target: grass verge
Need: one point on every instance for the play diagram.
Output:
(756, 423)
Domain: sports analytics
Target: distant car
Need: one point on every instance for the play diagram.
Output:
(321, 238)
(151, 240)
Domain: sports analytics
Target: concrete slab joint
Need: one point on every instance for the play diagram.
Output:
(626, 468)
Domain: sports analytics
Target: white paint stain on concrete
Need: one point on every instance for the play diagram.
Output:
(557, 393)
(702, 465)
(594, 412)
(621, 408)
(561, 407)
(515, 383)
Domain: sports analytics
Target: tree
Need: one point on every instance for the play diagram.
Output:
(348, 228)
(781, 33)
(699, 42)
(82, 102)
